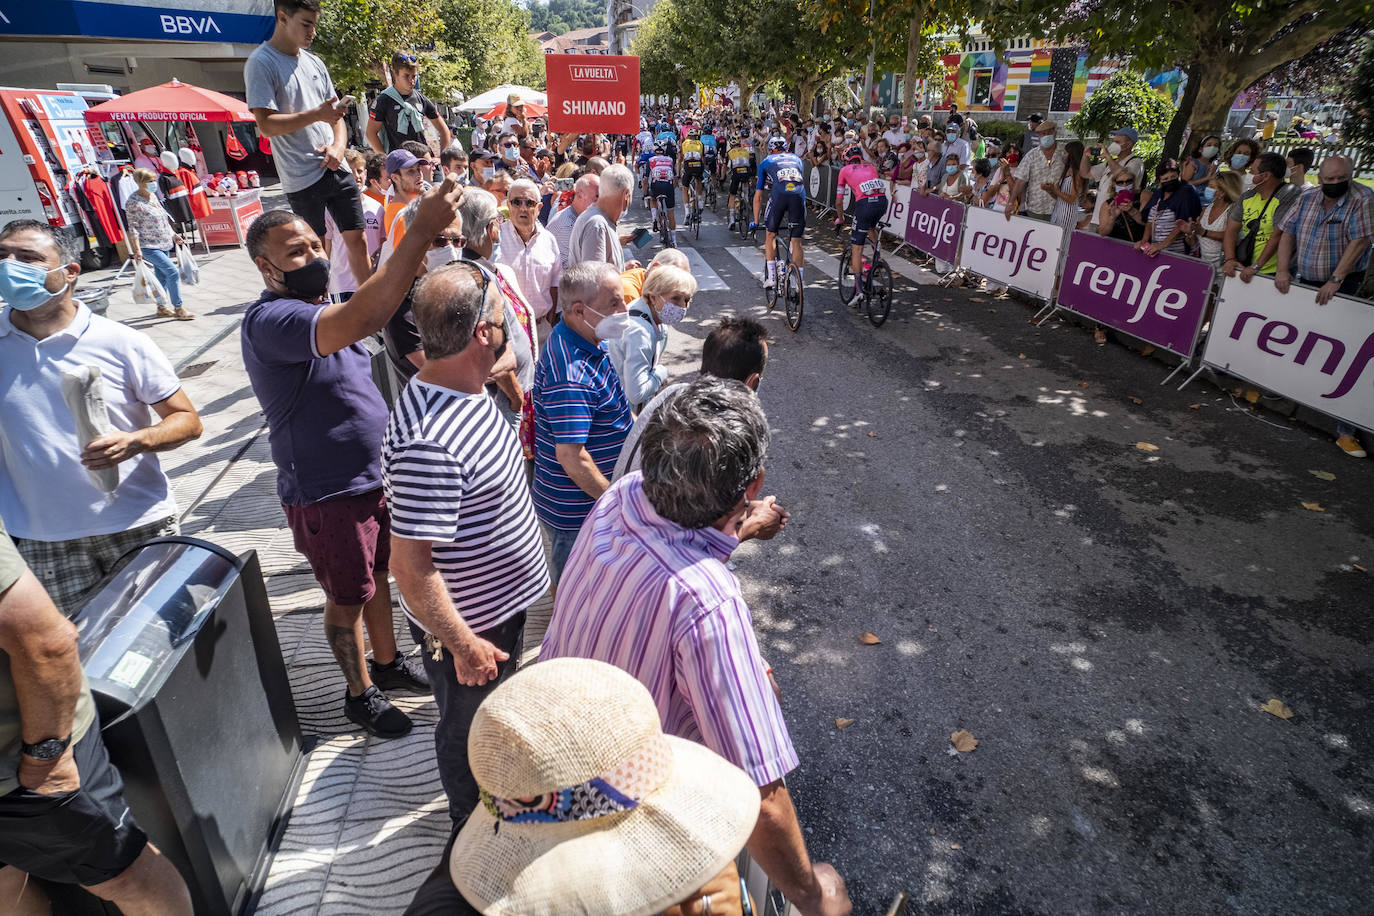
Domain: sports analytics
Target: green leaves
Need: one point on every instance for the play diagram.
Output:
(1125, 99)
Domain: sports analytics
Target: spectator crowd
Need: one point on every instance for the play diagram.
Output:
(537, 444)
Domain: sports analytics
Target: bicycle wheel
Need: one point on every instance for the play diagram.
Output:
(878, 292)
(771, 292)
(792, 294)
(696, 224)
(846, 281)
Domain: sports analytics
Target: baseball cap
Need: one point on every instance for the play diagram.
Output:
(399, 159)
(1037, 118)
(514, 99)
(480, 153)
(1128, 132)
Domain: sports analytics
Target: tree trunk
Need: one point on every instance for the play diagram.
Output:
(914, 40)
(806, 92)
(1217, 89)
(1173, 138)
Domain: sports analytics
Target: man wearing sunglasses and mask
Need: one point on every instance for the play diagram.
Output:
(326, 421)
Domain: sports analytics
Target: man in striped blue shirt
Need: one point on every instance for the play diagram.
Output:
(581, 416)
(465, 548)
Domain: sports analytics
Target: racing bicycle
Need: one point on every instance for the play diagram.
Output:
(787, 285)
(663, 235)
(875, 289)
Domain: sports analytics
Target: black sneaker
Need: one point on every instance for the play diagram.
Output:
(374, 712)
(406, 672)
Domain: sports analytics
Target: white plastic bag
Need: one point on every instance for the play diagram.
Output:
(187, 266)
(84, 392)
(147, 289)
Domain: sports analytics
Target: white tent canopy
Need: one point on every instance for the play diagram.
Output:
(497, 96)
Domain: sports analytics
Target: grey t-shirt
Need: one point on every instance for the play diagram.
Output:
(290, 85)
(594, 239)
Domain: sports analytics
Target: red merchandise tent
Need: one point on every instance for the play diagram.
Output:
(174, 101)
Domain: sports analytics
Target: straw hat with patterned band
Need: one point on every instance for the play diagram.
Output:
(586, 806)
(514, 100)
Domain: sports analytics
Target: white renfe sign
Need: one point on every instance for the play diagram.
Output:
(898, 199)
(1023, 253)
(1318, 355)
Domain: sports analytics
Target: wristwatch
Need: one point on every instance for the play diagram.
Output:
(47, 749)
(1336, 280)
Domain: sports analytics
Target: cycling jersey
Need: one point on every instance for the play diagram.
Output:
(642, 163)
(863, 179)
(661, 168)
(740, 159)
(692, 153)
(645, 140)
(783, 172)
(709, 142)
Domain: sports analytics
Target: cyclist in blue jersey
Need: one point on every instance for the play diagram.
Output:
(712, 148)
(782, 172)
(668, 136)
(642, 170)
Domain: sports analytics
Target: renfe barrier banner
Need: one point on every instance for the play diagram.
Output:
(898, 202)
(592, 93)
(1318, 355)
(933, 225)
(1023, 253)
(1161, 300)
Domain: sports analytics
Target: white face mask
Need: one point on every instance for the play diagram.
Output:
(1114, 148)
(610, 327)
(438, 257)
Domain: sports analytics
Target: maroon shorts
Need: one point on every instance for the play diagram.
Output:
(347, 541)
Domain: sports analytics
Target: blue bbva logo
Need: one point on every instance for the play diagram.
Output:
(189, 25)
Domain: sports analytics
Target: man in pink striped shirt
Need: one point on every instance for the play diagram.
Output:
(646, 589)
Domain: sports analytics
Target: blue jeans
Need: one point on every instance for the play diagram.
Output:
(167, 274)
(560, 545)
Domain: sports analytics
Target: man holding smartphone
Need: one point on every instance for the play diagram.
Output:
(293, 99)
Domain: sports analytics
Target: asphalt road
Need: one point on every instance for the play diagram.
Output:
(1106, 621)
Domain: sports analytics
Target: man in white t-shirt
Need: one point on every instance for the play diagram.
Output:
(70, 528)
(894, 135)
(466, 550)
(342, 278)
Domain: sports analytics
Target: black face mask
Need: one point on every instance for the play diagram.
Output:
(310, 281)
(1336, 189)
(1170, 186)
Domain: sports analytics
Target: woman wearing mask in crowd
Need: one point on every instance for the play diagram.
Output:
(153, 240)
(1199, 168)
(1121, 216)
(1209, 230)
(953, 185)
(884, 158)
(637, 352)
(1068, 190)
(994, 194)
(1170, 212)
(1240, 157)
(906, 164)
(820, 150)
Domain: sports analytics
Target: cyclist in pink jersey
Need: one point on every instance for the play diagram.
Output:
(870, 206)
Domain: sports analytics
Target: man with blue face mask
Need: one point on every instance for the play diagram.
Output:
(1042, 165)
(75, 503)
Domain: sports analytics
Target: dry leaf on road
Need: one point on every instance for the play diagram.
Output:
(1021, 356)
(1313, 507)
(955, 846)
(872, 435)
(1278, 708)
(1147, 446)
(869, 639)
(843, 723)
(1194, 406)
(1322, 475)
(1135, 400)
(963, 741)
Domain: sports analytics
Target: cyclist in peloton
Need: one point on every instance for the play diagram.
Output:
(642, 170)
(668, 136)
(782, 171)
(709, 151)
(690, 160)
(870, 206)
(739, 159)
(661, 174)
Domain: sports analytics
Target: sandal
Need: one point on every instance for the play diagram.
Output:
(164, 312)
(182, 315)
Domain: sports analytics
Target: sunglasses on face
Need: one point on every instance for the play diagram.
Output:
(521, 202)
(510, 145)
(449, 241)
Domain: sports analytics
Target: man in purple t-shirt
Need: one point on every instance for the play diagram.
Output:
(326, 421)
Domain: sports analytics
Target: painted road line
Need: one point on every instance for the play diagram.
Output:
(706, 277)
(751, 258)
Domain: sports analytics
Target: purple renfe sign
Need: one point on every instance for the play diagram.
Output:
(1161, 300)
(933, 225)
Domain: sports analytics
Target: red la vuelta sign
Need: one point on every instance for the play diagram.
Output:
(592, 93)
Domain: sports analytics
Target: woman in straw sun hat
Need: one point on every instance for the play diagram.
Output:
(588, 808)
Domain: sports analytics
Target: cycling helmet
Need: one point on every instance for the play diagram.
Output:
(694, 133)
(660, 146)
(853, 154)
(776, 143)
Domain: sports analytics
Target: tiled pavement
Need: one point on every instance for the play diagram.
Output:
(370, 820)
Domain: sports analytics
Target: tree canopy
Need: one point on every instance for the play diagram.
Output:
(562, 16)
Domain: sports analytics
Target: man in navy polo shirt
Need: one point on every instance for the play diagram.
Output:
(581, 416)
(326, 421)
